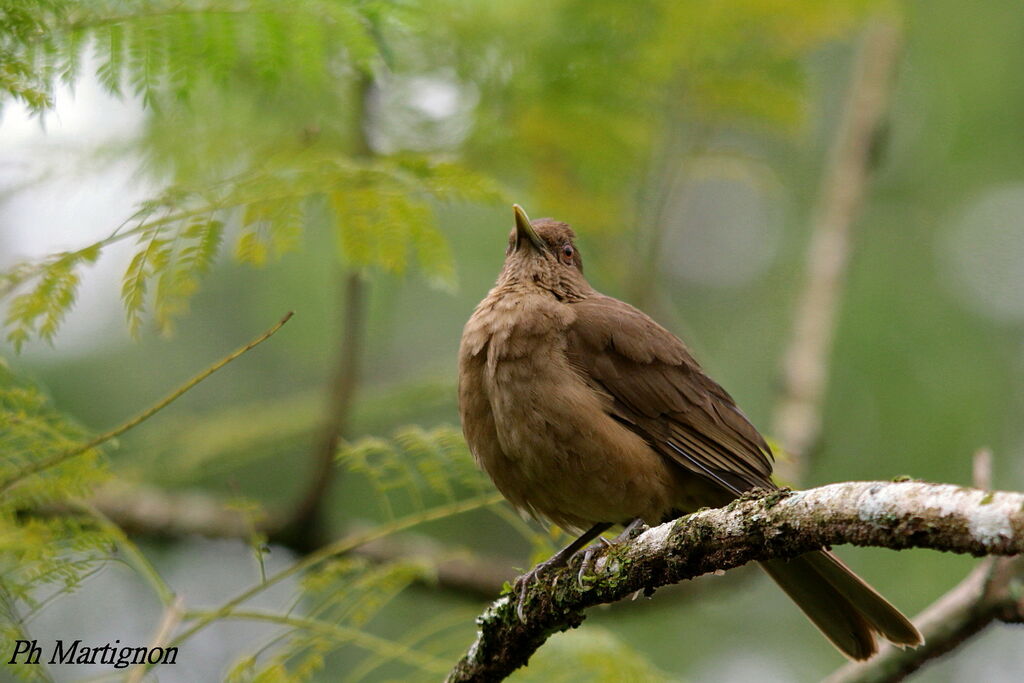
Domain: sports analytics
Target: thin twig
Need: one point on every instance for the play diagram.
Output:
(303, 530)
(171, 618)
(53, 461)
(340, 634)
(339, 547)
(797, 419)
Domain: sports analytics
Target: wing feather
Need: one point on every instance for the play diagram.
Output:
(656, 388)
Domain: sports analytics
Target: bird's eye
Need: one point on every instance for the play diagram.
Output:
(567, 252)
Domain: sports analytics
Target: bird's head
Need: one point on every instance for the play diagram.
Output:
(543, 253)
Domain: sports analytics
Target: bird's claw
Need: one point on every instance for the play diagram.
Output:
(520, 589)
(562, 558)
(525, 582)
(587, 560)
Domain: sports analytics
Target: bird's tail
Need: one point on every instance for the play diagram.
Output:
(846, 609)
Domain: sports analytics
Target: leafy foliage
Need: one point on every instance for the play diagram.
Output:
(41, 556)
(379, 209)
(339, 597)
(590, 654)
(56, 283)
(380, 212)
(424, 472)
(22, 24)
(415, 467)
(608, 140)
(31, 430)
(160, 49)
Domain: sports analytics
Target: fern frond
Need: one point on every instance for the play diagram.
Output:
(163, 48)
(32, 430)
(143, 266)
(111, 52)
(415, 467)
(191, 255)
(381, 209)
(42, 556)
(27, 70)
(41, 310)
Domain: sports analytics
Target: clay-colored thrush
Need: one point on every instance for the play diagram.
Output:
(587, 413)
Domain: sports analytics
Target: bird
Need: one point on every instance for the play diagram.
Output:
(587, 414)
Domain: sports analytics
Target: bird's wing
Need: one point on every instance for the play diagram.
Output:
(658, 390)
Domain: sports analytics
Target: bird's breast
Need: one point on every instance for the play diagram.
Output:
(542, 431)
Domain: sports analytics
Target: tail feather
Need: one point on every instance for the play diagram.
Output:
(847, 610)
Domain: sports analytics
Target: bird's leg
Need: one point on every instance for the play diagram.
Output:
(586, 561)
(559, 559)
(630, 531)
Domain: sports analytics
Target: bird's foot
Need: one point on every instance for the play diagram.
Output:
(587, 560)
(526, 581)
(560, 559)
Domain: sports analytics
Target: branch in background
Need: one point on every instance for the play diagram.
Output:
(797, 419)
(780, 524)
(463, 571)
(990, 593)
(304, 531)
(143, 510)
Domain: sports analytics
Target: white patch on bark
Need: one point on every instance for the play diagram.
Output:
(653, 540)
(990, 522)
(880, 501)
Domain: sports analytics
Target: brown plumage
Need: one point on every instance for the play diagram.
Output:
(586, 412)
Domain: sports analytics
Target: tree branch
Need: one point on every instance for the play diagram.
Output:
(985, 596)
(144, 510)
(797, 419)
(780, 524)
(305, 531)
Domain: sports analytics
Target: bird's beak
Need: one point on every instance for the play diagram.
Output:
(524, 230)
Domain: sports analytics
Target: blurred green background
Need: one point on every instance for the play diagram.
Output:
(685, 142)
